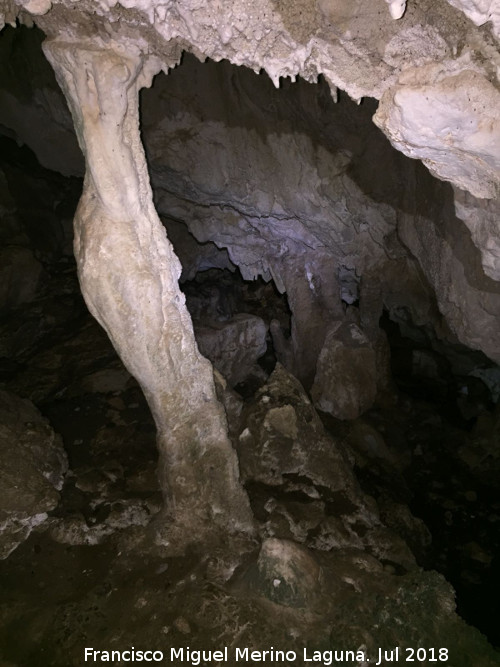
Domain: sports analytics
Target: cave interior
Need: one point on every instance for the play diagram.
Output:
(347, 451)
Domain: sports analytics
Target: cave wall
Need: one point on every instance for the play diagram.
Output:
(471, 316)
(233, 157)
(295, 189)
(417, 65)
(293, 184)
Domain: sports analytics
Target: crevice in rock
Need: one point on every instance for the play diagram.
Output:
(234, 321)
(461, 383)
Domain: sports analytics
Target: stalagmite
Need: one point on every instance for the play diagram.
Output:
(314, 298)
(129, 277)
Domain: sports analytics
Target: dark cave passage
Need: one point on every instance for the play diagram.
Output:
(291, 218)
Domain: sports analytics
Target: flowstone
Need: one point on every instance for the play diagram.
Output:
(129, 277)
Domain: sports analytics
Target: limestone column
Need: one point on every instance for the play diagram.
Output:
(313, 295)
(129, 275)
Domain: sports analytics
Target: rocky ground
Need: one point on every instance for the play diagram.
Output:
(348, 512)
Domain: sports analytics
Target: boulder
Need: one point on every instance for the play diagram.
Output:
(233, 346)
(33, 467)
(302, 483)
(345, 385)
(285, 573)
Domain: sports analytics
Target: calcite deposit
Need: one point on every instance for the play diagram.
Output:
(432, 60)
(129, 277)
(288, 230)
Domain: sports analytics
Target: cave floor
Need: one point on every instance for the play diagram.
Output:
(93, 576)
(59, 599)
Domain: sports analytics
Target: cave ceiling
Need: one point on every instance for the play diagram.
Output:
(433, 68)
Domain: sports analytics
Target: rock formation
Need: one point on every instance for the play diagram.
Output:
(120, 246)
(33, 467)
(431, 60)
(265, 145)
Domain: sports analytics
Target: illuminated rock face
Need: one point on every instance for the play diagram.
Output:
(480, 12)
(308, 193)
(320, 237)
(450, 121)
(416, 62)
(129, 277)
(345, 384)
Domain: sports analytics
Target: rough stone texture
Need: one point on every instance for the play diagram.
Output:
(321, 228)
(358, 605)
(317, 248)
(314, 228)
(100, 580)
(413, 530)
(233, 346)
(285, 573)
(129, 277)
(120, 514)
(333, 244)
(355, 46)
(459, 109)
(33, 468)
(481, 217)
(195, 257)
(468, 299)
(253, 217)
(345, 385)
(349, 580)
(480, 12)
(303, 485)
